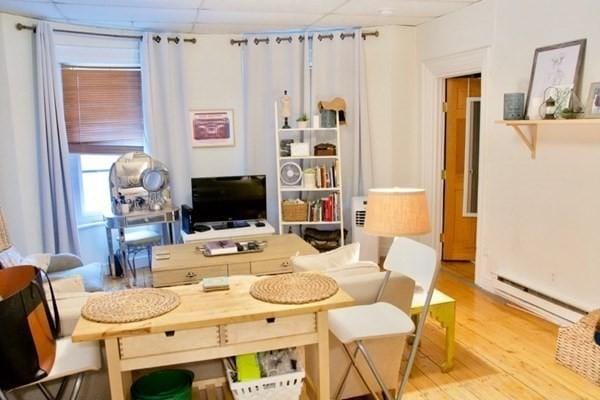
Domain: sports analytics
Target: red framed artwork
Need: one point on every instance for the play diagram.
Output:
(212, 128)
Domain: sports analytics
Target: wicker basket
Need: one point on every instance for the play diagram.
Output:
(294, 212)
(577, 350)
(4, 239)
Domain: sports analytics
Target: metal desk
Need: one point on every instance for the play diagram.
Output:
(168, 217)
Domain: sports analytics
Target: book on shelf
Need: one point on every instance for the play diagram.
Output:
(326, 209)
(327, 176)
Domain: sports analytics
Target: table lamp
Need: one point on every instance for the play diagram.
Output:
(400, 212)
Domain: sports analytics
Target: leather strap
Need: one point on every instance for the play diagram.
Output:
(54, 322)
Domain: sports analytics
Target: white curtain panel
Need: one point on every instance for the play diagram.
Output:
(58, 223)
(338, 71)
(269, 69)
(166, 111)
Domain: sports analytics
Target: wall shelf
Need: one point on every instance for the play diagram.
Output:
(528, 129)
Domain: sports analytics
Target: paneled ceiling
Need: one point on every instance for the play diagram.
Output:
(234, 16)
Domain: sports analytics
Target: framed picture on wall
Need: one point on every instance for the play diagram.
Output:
(592, 106)
(212, 128)
(559, 67)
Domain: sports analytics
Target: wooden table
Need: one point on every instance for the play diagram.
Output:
(186, 263)
(215, 325)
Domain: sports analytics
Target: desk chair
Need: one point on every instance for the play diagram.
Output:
(71, 359)
(141, 240)
(354, 325)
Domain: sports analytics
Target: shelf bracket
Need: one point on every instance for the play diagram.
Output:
(530, 139)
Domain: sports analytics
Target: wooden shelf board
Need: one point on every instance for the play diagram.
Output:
(311, 223)
(307, 129)
(527, 130)
(308, 158)
(582, 121)
(303, 189)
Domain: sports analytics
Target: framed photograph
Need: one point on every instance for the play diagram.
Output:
(558, 67)
(212, 128)
(592, 106)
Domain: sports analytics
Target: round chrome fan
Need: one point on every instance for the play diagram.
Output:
(290, 174)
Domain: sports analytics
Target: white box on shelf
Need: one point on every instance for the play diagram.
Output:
(299, 149)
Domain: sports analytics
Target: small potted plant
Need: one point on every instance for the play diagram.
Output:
(302, 121)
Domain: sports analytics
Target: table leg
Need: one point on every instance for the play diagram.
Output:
(120, 381)
(125, 258)
(445, 314)
(111, 252)
(317, 358)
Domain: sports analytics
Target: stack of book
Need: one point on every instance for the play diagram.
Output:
(327, 176)
(326, 209)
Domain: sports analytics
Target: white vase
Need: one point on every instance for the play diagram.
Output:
(302, 124)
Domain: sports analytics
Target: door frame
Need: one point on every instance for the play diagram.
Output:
(434, 73)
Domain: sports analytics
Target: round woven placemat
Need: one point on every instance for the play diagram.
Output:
(130, 305)
(297, 288)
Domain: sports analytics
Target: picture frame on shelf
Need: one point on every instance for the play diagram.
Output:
(558, 66)
(212, 128)
(592, 105)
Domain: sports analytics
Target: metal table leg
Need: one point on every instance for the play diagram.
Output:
(111, 252)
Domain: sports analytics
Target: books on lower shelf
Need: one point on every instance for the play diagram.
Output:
(327, 176)
(325, 209)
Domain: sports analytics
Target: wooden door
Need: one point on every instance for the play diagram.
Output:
(458, 237)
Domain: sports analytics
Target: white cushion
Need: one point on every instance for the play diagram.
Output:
(333, 259)
(357, 268)
(11, 257)
(73, 358)
(371, 321)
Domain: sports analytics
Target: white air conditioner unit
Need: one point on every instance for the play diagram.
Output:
(369, 244)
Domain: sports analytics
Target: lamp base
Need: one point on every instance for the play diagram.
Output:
(285, 123)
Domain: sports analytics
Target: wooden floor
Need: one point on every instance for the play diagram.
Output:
(502, 353)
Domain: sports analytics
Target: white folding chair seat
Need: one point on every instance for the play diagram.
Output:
(371, 321)
(71, 359)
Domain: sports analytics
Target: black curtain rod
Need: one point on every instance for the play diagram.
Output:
(175, 39)
(289, 39)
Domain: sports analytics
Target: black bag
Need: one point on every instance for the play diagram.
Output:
(28, 334)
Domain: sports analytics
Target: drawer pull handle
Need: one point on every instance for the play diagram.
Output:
(285, 264)
(170, 333)
(190, 275)
(271, 320)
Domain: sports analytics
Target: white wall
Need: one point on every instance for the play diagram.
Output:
(539, 218)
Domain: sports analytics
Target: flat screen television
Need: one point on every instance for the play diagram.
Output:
(229, 198)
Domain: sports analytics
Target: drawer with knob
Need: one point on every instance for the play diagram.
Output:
(187, 275)
(275, 266)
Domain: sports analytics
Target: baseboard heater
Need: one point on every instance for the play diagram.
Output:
(539, 303)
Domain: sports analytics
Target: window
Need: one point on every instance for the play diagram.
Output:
(103, 109)
(103, 114)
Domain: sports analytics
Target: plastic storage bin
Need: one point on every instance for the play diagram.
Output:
(280, 387)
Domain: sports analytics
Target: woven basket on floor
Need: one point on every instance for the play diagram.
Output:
(576, 348)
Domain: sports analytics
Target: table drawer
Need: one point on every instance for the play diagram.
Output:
(275, 266)
(187, 275)
(168, 342)
(239, 269)
(269, 328)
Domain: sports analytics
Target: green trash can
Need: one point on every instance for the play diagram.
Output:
(171, 384)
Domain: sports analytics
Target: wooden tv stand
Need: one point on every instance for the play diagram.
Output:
(186, 264)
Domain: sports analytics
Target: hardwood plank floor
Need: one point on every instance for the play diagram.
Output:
(502, 353)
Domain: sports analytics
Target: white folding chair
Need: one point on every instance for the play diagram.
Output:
(71, 359)
(378, 320)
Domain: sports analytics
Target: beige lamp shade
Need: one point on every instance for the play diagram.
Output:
(397, 212)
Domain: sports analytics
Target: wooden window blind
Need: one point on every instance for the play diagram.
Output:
(103, 110)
